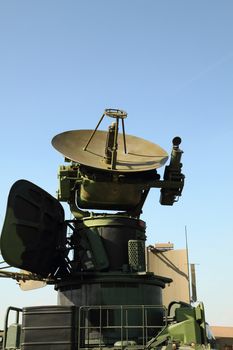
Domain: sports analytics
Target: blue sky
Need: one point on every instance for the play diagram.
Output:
(169, 64)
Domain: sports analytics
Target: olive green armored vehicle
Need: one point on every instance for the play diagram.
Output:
(96, 261)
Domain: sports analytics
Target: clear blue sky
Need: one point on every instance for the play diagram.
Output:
(169, 64)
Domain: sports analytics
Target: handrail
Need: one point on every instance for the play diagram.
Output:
(123, 324)
(10, 308)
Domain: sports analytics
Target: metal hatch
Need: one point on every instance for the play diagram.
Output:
(33, 229)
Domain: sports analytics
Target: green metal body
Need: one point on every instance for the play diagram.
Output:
(106, 298)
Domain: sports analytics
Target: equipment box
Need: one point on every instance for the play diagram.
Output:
(49, 327)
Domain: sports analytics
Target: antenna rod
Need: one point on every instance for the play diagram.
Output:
(123, 129)
(194, 285)
(115, 145)
(91, 137)
(187, 252)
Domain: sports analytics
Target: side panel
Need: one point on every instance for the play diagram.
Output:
(49, 327)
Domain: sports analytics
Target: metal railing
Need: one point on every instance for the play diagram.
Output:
(119, 325)
(17, 311)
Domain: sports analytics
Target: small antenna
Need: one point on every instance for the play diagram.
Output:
(194, 285)
(187, 252)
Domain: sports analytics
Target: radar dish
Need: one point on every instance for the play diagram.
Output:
(33, 229)
(141, 155)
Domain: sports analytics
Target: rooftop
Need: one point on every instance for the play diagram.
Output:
(222, 332)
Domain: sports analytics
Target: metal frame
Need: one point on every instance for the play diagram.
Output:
(10, 308)
(84, 328)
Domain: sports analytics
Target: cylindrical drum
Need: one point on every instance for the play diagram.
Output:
(112, 305)
(115, 233)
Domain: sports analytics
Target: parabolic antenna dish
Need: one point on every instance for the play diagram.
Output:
(141, 155)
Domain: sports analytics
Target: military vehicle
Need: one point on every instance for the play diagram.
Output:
(106, 297)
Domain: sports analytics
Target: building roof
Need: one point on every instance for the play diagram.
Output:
(222, 332)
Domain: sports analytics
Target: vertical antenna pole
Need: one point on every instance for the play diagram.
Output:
(187, 252)
(194, 284)
(115, 145)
